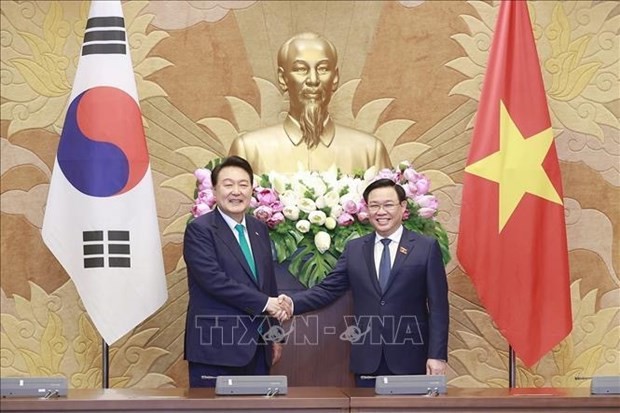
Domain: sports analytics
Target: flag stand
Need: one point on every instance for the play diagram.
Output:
(512, 368)
(105, 365)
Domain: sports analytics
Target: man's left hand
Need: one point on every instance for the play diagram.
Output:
(436, 367)
(276, 351)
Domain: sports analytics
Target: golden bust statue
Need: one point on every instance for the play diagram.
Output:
(308, 138)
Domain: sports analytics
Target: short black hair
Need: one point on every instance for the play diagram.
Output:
(236, 161)
(385, 183)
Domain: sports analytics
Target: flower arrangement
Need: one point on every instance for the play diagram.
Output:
(311, 215)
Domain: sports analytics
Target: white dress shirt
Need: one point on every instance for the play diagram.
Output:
(395, 238)
(232, 224)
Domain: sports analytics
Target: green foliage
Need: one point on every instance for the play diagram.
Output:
(306, 262)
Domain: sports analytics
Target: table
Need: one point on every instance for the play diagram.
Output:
(298, 400)
(504, 400)
(319, 399)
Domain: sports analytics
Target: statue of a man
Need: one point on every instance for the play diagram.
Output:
(308, 138)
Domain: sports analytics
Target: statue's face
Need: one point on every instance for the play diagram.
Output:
(309, 74)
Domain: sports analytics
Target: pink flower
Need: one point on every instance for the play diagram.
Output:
(411, 189)
(253, 202)
(200, 209)
(426, 212)
(428, 205)
(275, 219)
(350, 207)
(207, 197)
(204, 178)
(410, 174)
(387, 173)
(362, 214)
(423, 185)
(345, 219)
(266, 196)
(263, 213)
(277, 206)
(426, 201)
(406, 214)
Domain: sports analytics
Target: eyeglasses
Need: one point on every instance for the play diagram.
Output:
(387, 207)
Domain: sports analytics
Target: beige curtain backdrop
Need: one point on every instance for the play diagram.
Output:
(411, 73)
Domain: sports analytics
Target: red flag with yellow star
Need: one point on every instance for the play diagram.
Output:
(512, 236)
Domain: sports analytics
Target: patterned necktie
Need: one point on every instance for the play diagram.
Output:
(385, 264)
(243, 242)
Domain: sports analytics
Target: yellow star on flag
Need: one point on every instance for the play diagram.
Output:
(517, 167)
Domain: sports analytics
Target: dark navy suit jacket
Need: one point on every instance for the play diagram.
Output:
(225, 301)
(409, 322)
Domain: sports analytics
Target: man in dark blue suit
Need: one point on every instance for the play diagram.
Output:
(400, 294)
(231, 278)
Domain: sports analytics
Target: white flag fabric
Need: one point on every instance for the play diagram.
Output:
(100, 219)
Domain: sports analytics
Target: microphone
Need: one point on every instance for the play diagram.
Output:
(602, 384)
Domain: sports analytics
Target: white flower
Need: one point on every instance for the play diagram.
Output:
(299, 188)
(307, 205)
(289, 198)
(330, 176)
(302, 175)
(330, 223)
(316, 184)
(357, 187)
(317, 217)
(320, 202)
(278, 182)
(336, 211)
(331, 198)
(370, 173)
(303, 226)
(322, 241)
(291, 212)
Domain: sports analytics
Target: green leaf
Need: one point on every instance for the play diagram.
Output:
(213, 163)
(264, 181)
(280, 247)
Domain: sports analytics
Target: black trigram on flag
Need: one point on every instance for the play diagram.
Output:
(117, 251)
(105, 35)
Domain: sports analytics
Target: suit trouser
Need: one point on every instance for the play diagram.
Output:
(368, 380)
(204, 375)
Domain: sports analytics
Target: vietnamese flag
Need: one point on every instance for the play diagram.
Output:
(512, 236)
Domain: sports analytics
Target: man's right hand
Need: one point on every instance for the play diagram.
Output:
(286, 303)
(274, 309)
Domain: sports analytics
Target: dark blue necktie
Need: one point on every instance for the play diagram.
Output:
(385, 264)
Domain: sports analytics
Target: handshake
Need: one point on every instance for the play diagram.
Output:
(280, 307)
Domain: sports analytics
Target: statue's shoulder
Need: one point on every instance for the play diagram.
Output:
(360, 136)
(258, 135)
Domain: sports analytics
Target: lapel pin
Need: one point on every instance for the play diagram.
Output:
(256, 234)
(403, 250)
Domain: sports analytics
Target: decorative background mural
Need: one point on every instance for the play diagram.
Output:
(411, 73)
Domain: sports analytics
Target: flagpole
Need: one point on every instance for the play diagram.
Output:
(105, 365)
(101, 220)
(512, 368)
